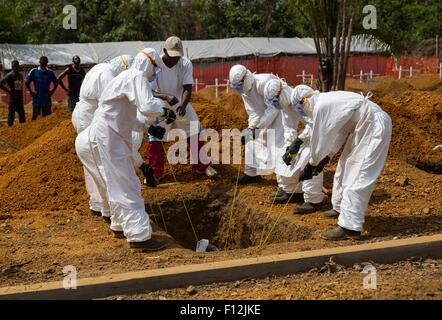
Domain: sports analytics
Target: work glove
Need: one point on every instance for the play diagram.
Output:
(307, 173)
(292, 151)
(250, 134)
(157, 132)
(169, 115)
(312, 171)
(321, 165)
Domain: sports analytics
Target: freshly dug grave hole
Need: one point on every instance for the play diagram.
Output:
(212, 219)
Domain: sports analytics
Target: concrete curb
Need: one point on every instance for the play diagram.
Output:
(226, 271)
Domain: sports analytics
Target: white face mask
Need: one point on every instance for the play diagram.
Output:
(309, 104)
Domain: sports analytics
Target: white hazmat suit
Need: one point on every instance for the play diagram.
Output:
(110, 136)
(93, 85)
(259, 152)
(288, 176)
(340, 116)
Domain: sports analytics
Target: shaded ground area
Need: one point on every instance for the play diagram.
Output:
(405, 280)
(45, 224)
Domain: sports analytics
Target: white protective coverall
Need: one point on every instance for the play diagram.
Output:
(141, 125)
(346, 115)
(170, 81)
(93, 85)
(110, 136)
(288, 176)
(260, 152)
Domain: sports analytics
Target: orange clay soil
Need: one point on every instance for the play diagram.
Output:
(45, 224)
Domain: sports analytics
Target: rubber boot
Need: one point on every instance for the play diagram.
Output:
(245, 180)
(282, 197)
(340, 233)
(307, 208)
(149, 245)
(331, 214)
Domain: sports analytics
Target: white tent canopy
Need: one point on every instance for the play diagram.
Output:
(61, 54)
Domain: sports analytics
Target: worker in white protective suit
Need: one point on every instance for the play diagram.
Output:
(174, 85)
(265, 132)
(110, 139)
(92, 87)
(346, 116)
(295, 155)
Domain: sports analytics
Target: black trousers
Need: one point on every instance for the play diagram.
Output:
(38, 109)
(16, 106)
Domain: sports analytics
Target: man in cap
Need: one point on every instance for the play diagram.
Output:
(174, 85)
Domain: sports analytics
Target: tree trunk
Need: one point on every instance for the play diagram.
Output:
(337, 45)
(346, 53)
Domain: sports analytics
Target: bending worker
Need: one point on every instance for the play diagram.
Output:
(265, 133)
(295, 154)
(346, 116)
(110, 138)
(91, 89)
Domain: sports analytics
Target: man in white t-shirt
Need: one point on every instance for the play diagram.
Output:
(174, 85)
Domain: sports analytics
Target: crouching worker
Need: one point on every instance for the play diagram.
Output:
(111, 134)
(295, 154)
(346, 116)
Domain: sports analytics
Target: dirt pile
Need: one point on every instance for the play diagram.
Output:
(45, 175)
(21, 136)
(225, 112)
(417, 124)
(382, 86)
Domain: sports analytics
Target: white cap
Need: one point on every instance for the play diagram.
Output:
(174, 47)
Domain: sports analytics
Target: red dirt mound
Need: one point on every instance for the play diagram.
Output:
(45, 175)
(417, 124)
(223, 113)
(21, 136)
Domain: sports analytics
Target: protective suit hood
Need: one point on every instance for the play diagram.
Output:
(148, 61)
(278, 93)
(241, 79)
(304, 100)
(121, 63)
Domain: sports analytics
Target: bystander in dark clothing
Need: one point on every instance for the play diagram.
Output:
(42, 77)
(14, 80)
(75, 75)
